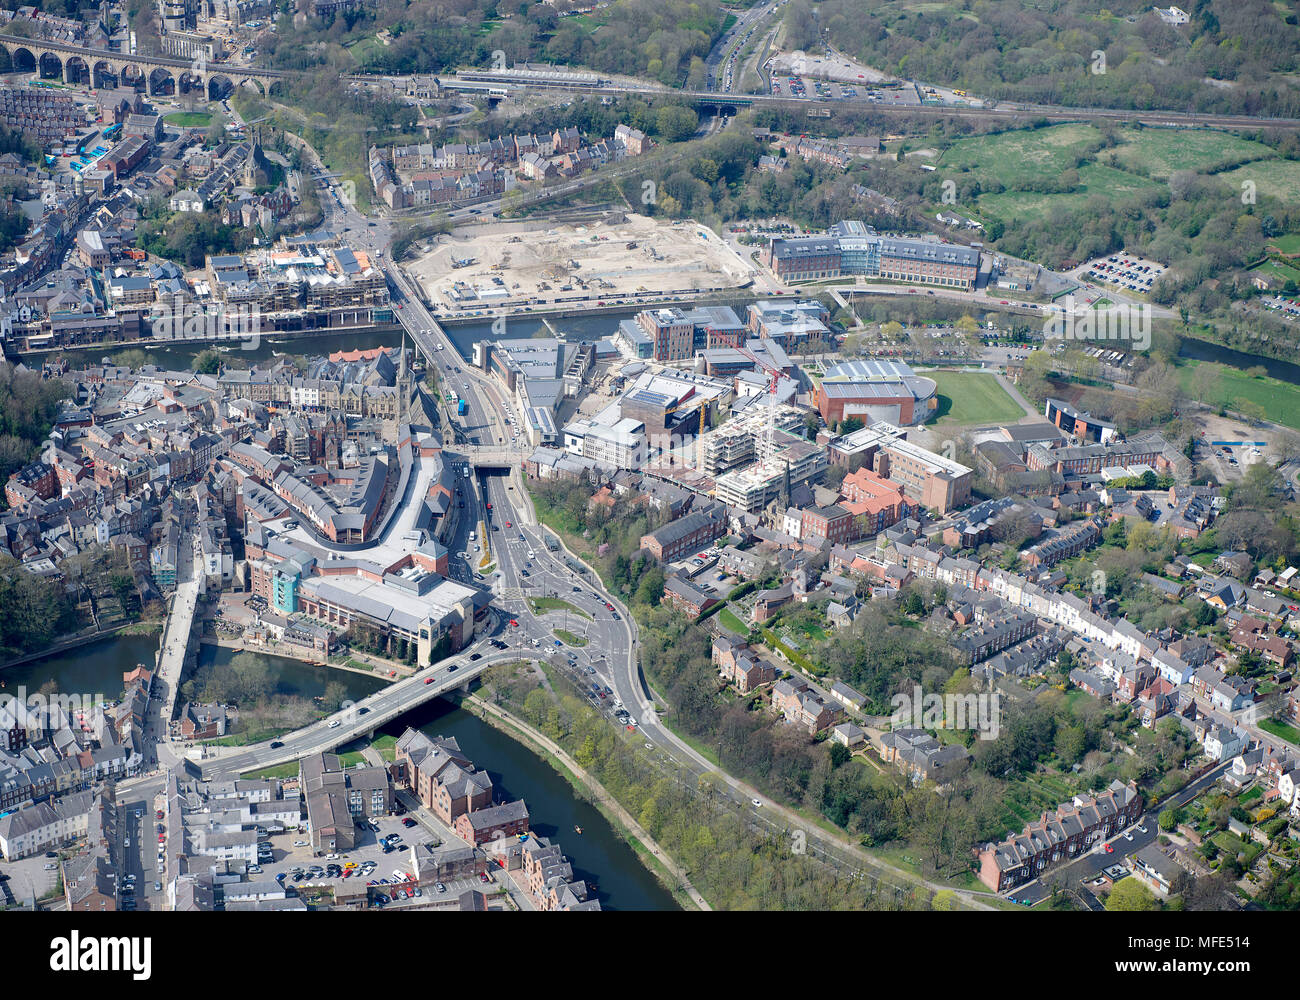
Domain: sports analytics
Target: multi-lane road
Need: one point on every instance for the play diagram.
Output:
(528, 567)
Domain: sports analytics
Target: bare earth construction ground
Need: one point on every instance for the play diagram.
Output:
(535, 263)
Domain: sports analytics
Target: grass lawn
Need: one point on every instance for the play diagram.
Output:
(973, 398)
(543, 604)
(1277, 178)
(289, 770)
(1281, 730)
(1250, 795)
(1288, 244)
(1021, 156)
(1280, 400)
(1094, 178)
(189, 119)
(386, 745)
(1282, 272)
(570, 638)
(729, 620)
(1164, 151)
(352, 758)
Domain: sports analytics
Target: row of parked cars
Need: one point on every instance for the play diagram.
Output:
(1126, 272)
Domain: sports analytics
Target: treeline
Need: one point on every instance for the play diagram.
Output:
(665, 119)
(189, 237)
(1023, 51)
(250, 683)
(731, 864)
(667, 40)
(28, 406)
(34, 610)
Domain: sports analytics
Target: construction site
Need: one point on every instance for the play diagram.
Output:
(627, 260)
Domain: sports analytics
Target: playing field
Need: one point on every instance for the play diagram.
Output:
(973, 398)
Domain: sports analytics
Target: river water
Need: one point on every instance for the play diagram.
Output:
(599, 854)
(180, 357)
(1200, 350)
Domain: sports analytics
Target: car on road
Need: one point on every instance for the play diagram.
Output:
(428, 680)
(1110, 848)
(756, 802)
(334, 723)
(276, 744)
(1142, 828)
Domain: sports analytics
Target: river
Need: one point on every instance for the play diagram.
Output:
(1200, 350)
(180, 356)
(599, 854)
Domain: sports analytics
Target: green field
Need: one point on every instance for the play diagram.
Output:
(189, 119)
(973, 398)
(1288, 244)
(1280, 400)
(1161, 152)
(1020, 157)
(1094, 179)
(1278, 178)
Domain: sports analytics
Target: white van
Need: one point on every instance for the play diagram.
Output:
(473, 536)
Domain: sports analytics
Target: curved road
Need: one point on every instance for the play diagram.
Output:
(526, 566)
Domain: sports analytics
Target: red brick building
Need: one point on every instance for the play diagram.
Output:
(833, 523)
(1072, 830)
(482, 826)
(685, 535)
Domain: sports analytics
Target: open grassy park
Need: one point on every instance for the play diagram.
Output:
(189, 119)
(1231, 387)
(973, 398)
